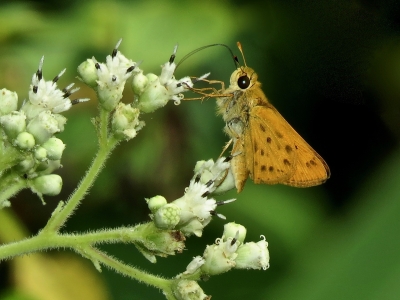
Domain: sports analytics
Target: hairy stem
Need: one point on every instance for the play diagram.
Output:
(60, 216)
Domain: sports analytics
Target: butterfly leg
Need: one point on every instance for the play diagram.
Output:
(225, 147)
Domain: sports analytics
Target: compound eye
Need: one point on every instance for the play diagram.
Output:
(243, 82)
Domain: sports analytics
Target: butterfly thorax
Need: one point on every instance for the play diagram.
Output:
(235, 107)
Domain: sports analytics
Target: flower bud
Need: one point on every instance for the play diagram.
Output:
(40, 154)
(13, 124)
(25, 141)
(8, 101)
(88, 73)
(139, 82)
(216, 260)
(189, 290)
(43, 126)
(253, 256)
(54, 148)
(167, 217)
(109, 96)
(154, 96)
(155, 203)
(47, 184)
(236, 231)
(125, 122)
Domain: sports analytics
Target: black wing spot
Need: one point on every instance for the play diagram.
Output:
(262, 152)
(286, 162)
(288, 149)
(262, 127)
(263, 168)
(271, 169)
(269, 140)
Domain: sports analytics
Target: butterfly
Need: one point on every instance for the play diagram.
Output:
(265, 147)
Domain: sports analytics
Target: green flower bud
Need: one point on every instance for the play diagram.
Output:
(13, 123)
(167, 217)
(54, 148)
(154, 96)
(47, 185)
(155, 203)
(253, 256)
(216, 260)
(234, 230)
(8, 101)
(43, 126)
(25, 141)
(189, 290)
(40, 154)
(109, 95)
(139, 82)
(88, 73)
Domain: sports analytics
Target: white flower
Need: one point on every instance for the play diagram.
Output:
(112, 77)
(195, 204)
(46, 96)
(219, 172)
(154, 92)
(194, 265)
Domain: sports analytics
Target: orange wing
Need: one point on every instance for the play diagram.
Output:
(276, 153)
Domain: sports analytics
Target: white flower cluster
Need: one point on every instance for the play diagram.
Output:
(154, 91)
(194, 210)
(229, 252)
(31, 130)
(151, 91)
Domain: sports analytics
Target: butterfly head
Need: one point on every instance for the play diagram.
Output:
(243, 78)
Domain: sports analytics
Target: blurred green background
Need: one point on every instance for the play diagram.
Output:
(332, 68)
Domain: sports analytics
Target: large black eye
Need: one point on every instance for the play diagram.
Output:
(243, 82)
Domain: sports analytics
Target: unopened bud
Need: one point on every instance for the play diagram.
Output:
(43, 126)
(47, 184)
(54, 148)
(8, 101)
(25, 141)
(88, 73)
(13, 124)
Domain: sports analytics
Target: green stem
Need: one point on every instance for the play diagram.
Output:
(60, 216)
(161, 283)
(51, 240)
(10, 184)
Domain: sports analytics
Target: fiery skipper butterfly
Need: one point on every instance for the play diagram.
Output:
(265, 147)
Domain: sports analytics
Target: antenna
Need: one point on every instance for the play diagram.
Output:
(235, 61)
(241, 51)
